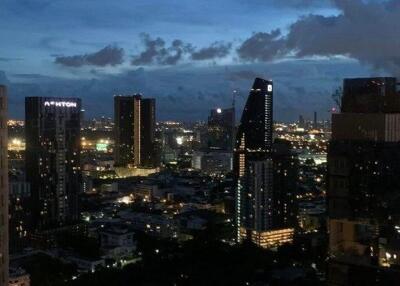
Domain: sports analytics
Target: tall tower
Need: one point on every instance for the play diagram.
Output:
(53, 147)
(364, 185)
(127, 130)
(221, 127)
(315, 122)
(148, 128)
(253, 169)
(134, 130)
(3, 188)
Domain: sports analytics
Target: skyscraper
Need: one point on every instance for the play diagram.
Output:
(148, 127)
(315, 122)
(286, 168)
(221, 127)
(253, 167)
(134, 131)
(53, 150)
(127, 130)
(364, 185)
(3, 188)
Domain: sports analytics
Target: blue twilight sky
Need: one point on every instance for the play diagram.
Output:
(191, 54)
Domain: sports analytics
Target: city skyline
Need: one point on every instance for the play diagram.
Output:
(199, 142)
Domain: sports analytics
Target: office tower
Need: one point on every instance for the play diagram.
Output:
(148, 127)
(53, 150)
(221, 127)
(3, 188)
(127, 130)
(253, 168)
(134, 131)
(315, 124)
(286, 173)
(364, 185)
(302, 122)
(19, 213)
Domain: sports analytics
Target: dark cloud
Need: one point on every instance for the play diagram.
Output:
(157, 52)
(108, 56)
(263, 47)
(243, 75)
(302, 3)
(9, 59)
(215, 50)
(368, 31)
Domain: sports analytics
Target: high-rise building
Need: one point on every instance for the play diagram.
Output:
(134, 131)
(254, 168)
(127, 130)
(286, 168)
(53, 168)
(148, 127)
(19, 213)
(3, 189)
(221, 127)
(315, 123)
(364, 185)
(302, 122)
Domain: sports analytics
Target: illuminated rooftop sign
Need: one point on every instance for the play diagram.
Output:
(60, 103)
(269, 87)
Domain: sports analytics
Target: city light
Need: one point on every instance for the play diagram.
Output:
(60, 103)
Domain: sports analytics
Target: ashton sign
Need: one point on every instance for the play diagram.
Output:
(60, 103)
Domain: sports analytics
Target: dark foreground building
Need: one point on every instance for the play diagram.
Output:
(53, 159)
(256, 200)
(3, 188)
(364, 185)
(134, 131)
(148, 129)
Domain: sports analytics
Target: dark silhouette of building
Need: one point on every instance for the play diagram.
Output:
(370, 95)
(286, 172)
(220, 129)
(134, 131)
(302, 122)
(148, 127)
(3, 188)
(53, 168)
(253, 168)
(20, 215)
(127, 130)
(363, 185)
(315, 123)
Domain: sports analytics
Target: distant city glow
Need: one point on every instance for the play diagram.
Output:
(125, 200)
(179, 140)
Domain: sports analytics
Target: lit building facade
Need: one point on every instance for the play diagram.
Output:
(134, 131)
(53, 159)
(363, 185)
(3, 188)
(254, 171)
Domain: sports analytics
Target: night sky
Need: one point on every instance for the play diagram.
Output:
(191, 54)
